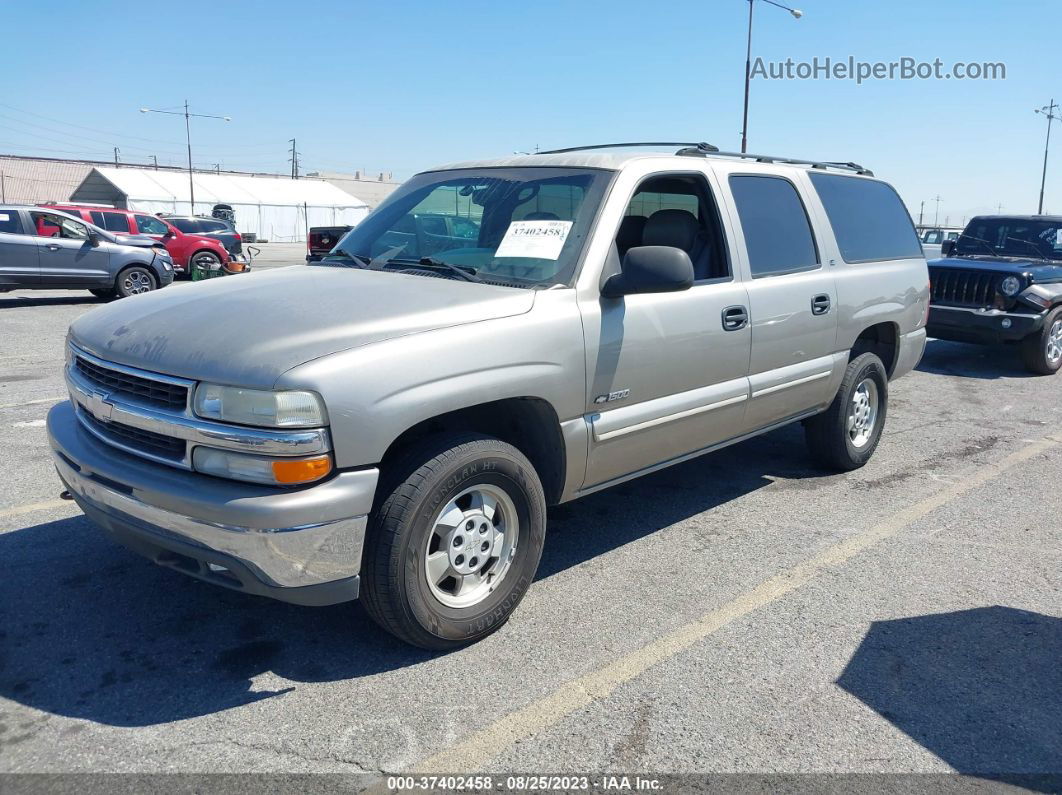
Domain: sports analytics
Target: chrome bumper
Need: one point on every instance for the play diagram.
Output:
(301, 546)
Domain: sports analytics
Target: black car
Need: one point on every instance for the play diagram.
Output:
(1001, 282)
(217, 228)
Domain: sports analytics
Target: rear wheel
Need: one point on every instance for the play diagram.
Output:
(134, 281)
(845, 436)
(1041, 352)
(456, 542)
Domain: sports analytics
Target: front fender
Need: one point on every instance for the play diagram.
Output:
(376, 392)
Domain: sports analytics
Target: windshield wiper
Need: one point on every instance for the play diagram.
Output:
(984, 243)
(337, 254)
(1039, 254)
(469, 275)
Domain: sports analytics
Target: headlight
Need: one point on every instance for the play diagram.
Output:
(1010, 286)
(259, 407)
(259, 468)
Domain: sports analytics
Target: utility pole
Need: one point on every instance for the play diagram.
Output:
(117, 152)
(936, 216)
(294, 160)
(797, 14)
(156, 162)
(188, 139)
(217, 168)
(999, 209)
(1049, 112)
(921, 211)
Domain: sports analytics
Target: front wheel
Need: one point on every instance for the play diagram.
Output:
(845, 436)
(1041, 352)
(134, 281)
(455, 544)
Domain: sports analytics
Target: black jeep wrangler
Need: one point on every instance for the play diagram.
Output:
(1001, 282)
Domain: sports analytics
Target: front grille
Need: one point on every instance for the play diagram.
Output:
(137, 439)
(956, 287)
(146, 390)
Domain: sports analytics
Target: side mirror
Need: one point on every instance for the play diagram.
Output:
(93, 239)
(651, 269)
(167, 234)
(947, 248)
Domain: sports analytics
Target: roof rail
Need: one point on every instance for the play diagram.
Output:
(847, 166)
(702, 147)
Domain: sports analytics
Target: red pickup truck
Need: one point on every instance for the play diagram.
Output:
(207, 252)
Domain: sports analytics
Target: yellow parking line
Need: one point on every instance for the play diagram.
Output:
(485, 744)
(32, 402)
(18, 510)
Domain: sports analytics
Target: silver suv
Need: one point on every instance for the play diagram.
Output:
(42, 248)
(393, 421)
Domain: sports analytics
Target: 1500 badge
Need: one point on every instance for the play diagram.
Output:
(618, 395)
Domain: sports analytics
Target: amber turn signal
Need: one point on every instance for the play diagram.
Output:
(303, 470)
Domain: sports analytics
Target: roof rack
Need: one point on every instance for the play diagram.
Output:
(703, 149)
(698, 147)
(844, 166)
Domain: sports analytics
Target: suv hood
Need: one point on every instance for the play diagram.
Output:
(1041, 272)
(247, 330)
(136, 240)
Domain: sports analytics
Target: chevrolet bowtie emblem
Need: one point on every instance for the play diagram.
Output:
(99, 406)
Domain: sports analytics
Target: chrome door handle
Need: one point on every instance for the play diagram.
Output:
(53, 247)
(735, 317)
(820, 304)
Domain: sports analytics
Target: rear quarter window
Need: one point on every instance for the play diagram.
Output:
(868, 218)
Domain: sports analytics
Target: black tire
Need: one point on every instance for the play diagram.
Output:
(395, 589)
(827, 434)
(204, 260)
(106, 293)
(1034, 348)
(135, 280)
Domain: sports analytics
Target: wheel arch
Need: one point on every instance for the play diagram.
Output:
(530, 424)
(881, 339)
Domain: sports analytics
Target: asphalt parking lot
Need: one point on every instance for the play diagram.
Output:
(742, 612)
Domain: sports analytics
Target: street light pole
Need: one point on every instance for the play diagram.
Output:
(797, 14)
(1049, 112)
(188, 139)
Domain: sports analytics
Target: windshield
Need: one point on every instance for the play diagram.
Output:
(1040, 238)
(519, 226)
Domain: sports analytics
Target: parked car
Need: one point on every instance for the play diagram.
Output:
(51, 250)
(219, 229)
(1001, 282)
(395, 425)
(321, 239)
(208, 252)
(933, 238)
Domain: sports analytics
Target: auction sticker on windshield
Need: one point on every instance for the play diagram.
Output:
(534, 239)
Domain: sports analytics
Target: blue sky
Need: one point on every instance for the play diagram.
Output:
(400, 85)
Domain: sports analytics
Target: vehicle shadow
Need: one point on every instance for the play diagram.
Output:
(92, 631)
(9, 300)
(981, 689)
(973, 361)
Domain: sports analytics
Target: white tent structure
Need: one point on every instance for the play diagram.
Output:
(273, 208)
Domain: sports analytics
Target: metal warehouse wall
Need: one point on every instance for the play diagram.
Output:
(26, 180)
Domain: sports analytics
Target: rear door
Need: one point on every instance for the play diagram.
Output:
(68, 258)
(792, 298)
(18, 250)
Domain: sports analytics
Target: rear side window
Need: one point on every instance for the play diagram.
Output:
(868, 218)
(186, 225)
(9, 222)
(97, 217)
(776, 227)
(115, 222)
